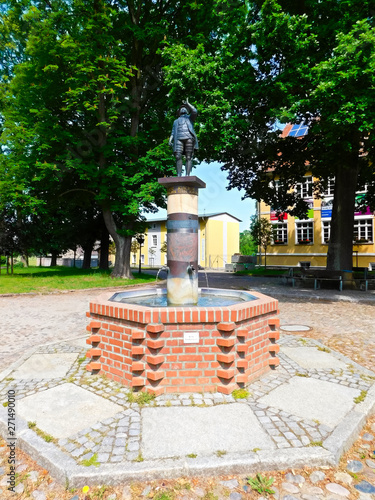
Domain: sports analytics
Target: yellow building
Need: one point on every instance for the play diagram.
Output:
(219, 239)
(306, 240)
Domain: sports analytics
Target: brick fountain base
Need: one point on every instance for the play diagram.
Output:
(183, 349)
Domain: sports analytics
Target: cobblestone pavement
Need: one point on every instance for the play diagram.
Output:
(349, 328)
(118, 438)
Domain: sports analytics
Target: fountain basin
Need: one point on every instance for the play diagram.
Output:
(207, 297)
(183, 349)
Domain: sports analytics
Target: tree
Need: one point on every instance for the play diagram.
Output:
(261, 231)
(315, 65)
(247, 244)
(88, 102)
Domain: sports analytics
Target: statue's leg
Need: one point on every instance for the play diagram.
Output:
(189, 150)
(178, 154)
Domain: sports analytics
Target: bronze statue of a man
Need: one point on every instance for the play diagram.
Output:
(183, 137)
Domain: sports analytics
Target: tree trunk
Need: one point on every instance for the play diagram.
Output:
(54, 259)
(25, 260)
(123, 247)
(104, 249)
(340, 247)
(265, 258)
(87, 251)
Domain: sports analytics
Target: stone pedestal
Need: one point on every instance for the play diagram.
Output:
(182, 234)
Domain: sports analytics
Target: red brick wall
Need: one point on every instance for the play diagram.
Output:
(144, 347)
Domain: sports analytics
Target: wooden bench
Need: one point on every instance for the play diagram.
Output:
(293, 274)
(319, 276)
(364, 277)
(361, 275)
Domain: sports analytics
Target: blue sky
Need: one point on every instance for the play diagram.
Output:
(216, 198)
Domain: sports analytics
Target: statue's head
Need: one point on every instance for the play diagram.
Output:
(183, 111)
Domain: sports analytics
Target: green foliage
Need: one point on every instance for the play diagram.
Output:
(87, 113)
(164, 495)
(247, 244)
(240, 394)
(141, 398)
(91, 461)
(261, 231)
(361, 397)
(221, 453)
(261, 484)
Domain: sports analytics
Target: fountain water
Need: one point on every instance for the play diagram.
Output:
(183, 339)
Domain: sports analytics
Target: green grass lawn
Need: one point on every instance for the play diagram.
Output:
(50, 279)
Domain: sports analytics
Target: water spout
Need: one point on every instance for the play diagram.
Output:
(163, 268)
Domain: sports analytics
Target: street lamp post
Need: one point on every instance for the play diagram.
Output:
(140, 239)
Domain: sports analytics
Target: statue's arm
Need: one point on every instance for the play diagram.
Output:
(192, 110)
(171, 139)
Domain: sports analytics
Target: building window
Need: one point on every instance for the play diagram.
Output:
(330, 187)
(277, 185)
(154, 240)
(280, 233)
(304, 232)
(363, 231)
(326, 231)
(304, 189)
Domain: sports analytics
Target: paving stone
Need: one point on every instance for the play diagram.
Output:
(310, 497)
(33, 476)
(38, 495)
(19, 488)
(133, 446)
(368, 437)
(135, 432)
(354, 466)
(20, 468)
(370, 463)
(235, 496)
(337, 489)
(103, 457)
(312, 491)
(70, 447)
(290, 488)
(294, 478)
(290, 497)
(365, 487)
(126, 493)
(146, 491)
(231, 484)
(343, 477)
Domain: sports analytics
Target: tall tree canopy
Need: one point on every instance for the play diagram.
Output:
(85, 106)
(315, 65)
(308, 62)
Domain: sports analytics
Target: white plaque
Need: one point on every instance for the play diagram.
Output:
(191, 337)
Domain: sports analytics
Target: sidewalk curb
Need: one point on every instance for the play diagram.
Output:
(65, 470)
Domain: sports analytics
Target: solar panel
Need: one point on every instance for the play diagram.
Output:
(298, 130)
